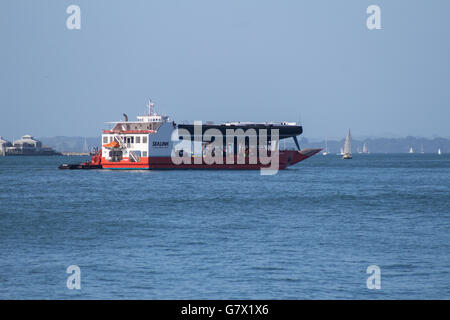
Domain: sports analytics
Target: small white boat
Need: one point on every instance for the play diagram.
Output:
(365, 150)
(411, 150)
(439, 151)
(348, 147)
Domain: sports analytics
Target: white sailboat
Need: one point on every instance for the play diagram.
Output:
(439, 151)
(421, 149)
(365, 150)
(411, 150)
(326, 147)
(341, 152)
(347, 147)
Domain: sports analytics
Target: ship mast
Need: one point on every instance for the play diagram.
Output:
(151, 106)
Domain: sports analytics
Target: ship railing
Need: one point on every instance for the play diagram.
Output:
(134, 157)
(120, 140)
(139, 131)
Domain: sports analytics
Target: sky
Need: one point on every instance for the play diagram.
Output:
(233, 60)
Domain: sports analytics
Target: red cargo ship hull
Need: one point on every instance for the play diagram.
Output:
(286, 158)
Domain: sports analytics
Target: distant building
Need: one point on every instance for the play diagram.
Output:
(28, 146)
(3, 145)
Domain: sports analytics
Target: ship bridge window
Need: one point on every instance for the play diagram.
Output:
(138, 139)
(105, 139)
(144, 139)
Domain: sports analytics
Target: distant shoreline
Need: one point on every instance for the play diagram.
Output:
(79, 145)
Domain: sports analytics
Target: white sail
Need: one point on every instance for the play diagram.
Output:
(347, 145)
(439, 151)
(365, 149)
(411, 150)
(326, 147)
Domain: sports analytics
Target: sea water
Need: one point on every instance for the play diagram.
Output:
(308, 232)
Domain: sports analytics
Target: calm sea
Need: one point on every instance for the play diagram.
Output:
(308, 232)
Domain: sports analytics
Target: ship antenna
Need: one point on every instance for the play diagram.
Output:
(150, 107)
